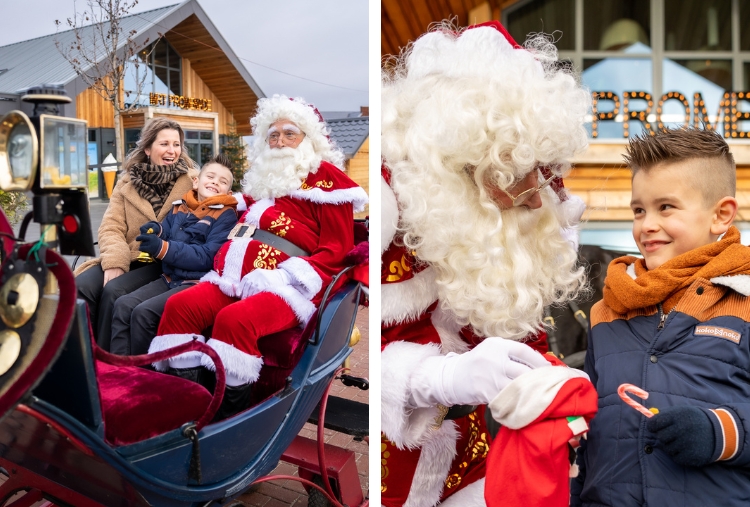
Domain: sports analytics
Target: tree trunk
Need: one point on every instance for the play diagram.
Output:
(119, 141)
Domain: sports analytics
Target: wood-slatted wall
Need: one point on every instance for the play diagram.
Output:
(90, 106)
(358, 168)
(193, 86)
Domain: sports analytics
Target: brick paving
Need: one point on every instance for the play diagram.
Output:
(291, 493)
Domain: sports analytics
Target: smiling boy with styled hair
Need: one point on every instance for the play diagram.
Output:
(676, 324)
(185, 242)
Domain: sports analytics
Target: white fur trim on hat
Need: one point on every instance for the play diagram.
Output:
(167, 341)
(528, 395)
(304, 277)
(403, 301)
(241, 365)
(405, 427)
(354, 195)
(388, 215)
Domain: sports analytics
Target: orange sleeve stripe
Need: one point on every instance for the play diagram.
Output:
(729, 433)
(164, 249)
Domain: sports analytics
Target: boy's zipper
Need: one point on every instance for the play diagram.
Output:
(662, 317)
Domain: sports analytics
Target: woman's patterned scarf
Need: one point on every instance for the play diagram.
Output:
(155, 182)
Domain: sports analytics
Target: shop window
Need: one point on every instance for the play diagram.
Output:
(199, 145)
(630, 83)
(682, 53)
(697, 25)
(556, 17)
(617, 25)
(131, 138)
(159, 68)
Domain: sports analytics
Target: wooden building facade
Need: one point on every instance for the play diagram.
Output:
(648, 63)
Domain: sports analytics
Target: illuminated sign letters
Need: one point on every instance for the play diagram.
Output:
(163, 99)
(728, 115)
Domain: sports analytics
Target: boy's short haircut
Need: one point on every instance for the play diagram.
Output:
(221, 159)
(715, 178)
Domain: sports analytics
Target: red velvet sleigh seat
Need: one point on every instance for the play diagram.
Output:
(138, 404)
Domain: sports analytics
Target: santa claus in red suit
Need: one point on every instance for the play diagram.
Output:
(479, 235)
(292, 238)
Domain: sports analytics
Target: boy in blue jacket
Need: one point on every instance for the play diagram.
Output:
(185, 243)
(677, 325)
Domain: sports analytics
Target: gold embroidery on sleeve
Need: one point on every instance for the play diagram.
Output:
(283, 224)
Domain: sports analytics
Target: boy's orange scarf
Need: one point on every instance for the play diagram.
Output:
(667, 283)
(192, 202)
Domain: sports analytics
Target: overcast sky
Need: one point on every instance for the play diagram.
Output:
(322, 41)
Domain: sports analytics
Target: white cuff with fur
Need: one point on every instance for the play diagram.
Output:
(238, 364)
(304, 277)
(167, 341)
(405, 427)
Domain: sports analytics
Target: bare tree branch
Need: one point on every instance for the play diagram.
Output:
(102, 53)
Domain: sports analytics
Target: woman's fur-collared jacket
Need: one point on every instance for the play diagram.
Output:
(121, 223)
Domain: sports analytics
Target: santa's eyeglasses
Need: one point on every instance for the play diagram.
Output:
(527, 194)
(289, 136)
(523, 197)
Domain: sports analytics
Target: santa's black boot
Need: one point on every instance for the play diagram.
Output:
(197, 374)
(236, 399)
(193, 374)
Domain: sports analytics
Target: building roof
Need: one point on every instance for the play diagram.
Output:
(349, 133)
(187, 28)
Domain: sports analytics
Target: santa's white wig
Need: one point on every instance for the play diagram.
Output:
(461, 109)
(302, 114)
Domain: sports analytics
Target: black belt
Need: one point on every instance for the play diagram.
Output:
(279, 243)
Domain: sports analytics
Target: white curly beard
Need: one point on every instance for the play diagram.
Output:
(494, 270)
(276, 172)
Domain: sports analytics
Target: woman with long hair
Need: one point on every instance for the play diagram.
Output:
(156, 173)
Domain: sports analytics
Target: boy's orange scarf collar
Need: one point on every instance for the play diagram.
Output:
(667, 283)
(192, 202)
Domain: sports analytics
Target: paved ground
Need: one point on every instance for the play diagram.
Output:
(288, 492)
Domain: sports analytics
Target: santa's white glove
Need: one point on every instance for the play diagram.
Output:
(474, 377)
(259, 280)
(573, 209)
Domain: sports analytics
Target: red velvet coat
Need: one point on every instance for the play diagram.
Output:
(313, 218)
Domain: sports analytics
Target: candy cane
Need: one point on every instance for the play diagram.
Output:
(630, 388)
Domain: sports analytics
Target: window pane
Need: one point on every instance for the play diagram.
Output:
(191, 134)
(160, 53)
(192, 150)
(617, 25)
(131, 137)
(745, 27)
(135, 76)
(173, 57)
(698, 25)
(546, 16)
(207, 151)
(617, 76)
(160, 81)
(175, 82)
(710, 78)
(207, 135)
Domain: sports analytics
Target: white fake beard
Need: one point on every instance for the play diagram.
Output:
(495, 271)
(277, 172)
